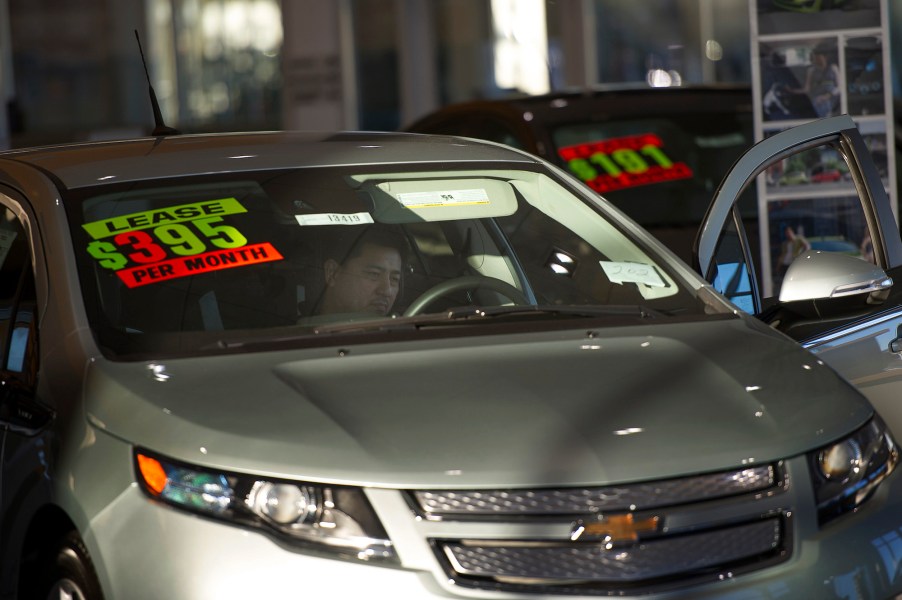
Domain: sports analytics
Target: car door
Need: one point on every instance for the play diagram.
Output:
(842, 299)
(24, 453)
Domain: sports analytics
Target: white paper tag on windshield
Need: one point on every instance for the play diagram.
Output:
(448, 198)
(335, 219)
(629, 272)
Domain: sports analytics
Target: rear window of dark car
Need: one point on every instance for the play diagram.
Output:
(661, 171)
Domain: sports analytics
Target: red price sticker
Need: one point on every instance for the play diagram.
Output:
(618, 163)
(200, 263)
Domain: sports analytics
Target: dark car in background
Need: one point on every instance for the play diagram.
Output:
(656, 153)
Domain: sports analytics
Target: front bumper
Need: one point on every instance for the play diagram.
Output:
(144, 549)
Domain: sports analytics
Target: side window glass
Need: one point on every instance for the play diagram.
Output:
(451, 126)
(22, 357)
(809, 203)
(812, 204)
(496, 131)
(732, 276)
(17, 301)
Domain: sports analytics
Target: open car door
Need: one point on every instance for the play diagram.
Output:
(830, 275)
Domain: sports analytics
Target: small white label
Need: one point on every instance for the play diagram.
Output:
(448, 198)
(628, 272)
(335, 219)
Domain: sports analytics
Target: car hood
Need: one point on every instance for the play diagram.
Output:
(556, 408)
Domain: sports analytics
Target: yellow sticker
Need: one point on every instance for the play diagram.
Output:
(446, 198)
(163, 216)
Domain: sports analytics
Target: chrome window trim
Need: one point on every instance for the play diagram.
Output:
(873, 321)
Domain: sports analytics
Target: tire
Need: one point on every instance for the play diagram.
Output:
(68, 572)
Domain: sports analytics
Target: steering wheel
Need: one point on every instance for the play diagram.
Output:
(467, 282)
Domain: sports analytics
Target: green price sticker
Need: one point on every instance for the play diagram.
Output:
(623, 162)
(162, 216)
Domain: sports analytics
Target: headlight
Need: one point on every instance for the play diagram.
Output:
(846, 473)
(337, 519)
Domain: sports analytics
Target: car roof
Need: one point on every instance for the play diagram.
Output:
(605, 104)
(92, 163)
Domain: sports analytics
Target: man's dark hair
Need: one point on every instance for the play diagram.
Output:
(349, 243)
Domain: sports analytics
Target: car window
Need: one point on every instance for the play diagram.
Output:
(295, 251)
(808, 215)
(831, 220)
(496, 130)
(660, 171)
(734, 271)
(481, 126)
(453, 125)
(17, 302)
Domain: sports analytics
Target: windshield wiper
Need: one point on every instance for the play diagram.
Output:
(580, 310)
(466, 315)
(480, 314)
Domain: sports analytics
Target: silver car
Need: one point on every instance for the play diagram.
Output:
(401, 366)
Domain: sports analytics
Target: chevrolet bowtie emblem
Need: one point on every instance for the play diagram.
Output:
(614, 528)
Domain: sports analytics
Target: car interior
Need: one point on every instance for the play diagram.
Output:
(476, 238)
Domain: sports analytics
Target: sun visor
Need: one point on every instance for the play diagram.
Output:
(409, 201)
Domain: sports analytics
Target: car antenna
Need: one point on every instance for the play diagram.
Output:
(160, 128)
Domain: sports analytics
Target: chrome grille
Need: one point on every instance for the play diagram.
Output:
(640, 496)
(629, 539)
(592, 562)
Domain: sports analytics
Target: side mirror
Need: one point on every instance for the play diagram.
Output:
(816, 275)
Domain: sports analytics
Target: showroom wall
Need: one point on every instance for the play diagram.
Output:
(70, 69)
(75, 68)
(490, 48)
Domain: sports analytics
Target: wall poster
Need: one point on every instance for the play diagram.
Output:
(814, 59)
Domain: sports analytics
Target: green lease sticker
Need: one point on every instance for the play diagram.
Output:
(162, 216)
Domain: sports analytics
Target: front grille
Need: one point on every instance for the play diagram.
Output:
(635, 538)
(592, 562)
(640, 496)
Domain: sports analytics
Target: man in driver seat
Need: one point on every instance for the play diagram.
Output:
(365, 277)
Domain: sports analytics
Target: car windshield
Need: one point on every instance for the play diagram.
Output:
(203, 263)
(661, 171)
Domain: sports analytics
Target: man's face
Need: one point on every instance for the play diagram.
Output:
(369, 282)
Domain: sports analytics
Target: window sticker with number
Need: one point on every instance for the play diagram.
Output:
(629, 272)
(624, 162)
(361, 218)
(177, 241)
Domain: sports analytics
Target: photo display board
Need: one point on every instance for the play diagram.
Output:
(813, 59)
